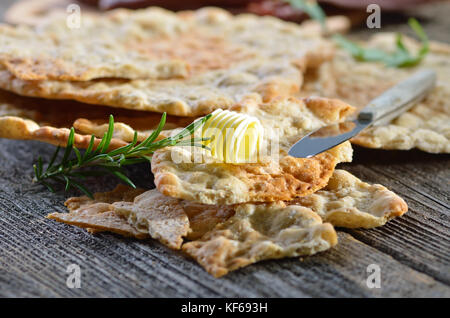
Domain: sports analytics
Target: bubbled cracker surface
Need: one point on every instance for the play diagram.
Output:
(98, 214)
(348, 202)
(192, 174)
(225, 238)
(156, 215)
(233, 56)
(259, 232)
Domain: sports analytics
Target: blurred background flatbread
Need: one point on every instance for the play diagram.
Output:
(426, 126)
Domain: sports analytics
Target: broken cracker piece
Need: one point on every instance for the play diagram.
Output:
(426, 126)
(159, 216)
(351, 203)
(187, 63)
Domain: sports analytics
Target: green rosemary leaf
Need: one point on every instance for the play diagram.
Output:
(133, 161)
(69, 145)
(110, 164)
(67, 179)
(78, 155)
(37, 176)
(109, 134)
(401, 57)
(99, 158)
(49, 187)
(190, 129)
(156, 133)
(100, 145)
(123, 149)
(39, 166)
(135, 136)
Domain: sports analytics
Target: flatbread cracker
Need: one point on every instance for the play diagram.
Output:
(225, 238)
(426, 126)
(49, 120)
(259, 232)
(64, 49)
(288, 229)
(348, 202)
(240, 55)
(178, 174)
(32, 12)
(98, 214)
(203, 217)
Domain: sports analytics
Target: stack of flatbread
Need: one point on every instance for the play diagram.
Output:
(138, 64)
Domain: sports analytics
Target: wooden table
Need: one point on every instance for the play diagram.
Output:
(413, 252)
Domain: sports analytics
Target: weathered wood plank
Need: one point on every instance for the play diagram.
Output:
(420, 239)
(35, 252)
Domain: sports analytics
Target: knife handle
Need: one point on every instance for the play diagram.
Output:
(399, 98)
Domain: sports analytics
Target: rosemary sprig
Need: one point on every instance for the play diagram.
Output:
(70, 171)
(401, 57)
(311, 8)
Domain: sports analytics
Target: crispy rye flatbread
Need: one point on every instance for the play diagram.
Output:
(151, 215)
(285, 183)
(31, 12)
(225, 240)
(239, 55)
(98, 214)
(49, 120)
(426, 126)
(259, 232)
(34, 13)
(180, 172)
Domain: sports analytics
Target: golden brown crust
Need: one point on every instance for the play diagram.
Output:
(259, 232)
(203, 218)
(229, 237)
(213, 182)
(19, 128)
(349, 202)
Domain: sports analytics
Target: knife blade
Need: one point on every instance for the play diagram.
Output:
(379, 111)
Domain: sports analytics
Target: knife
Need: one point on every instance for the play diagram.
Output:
(379, 111)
